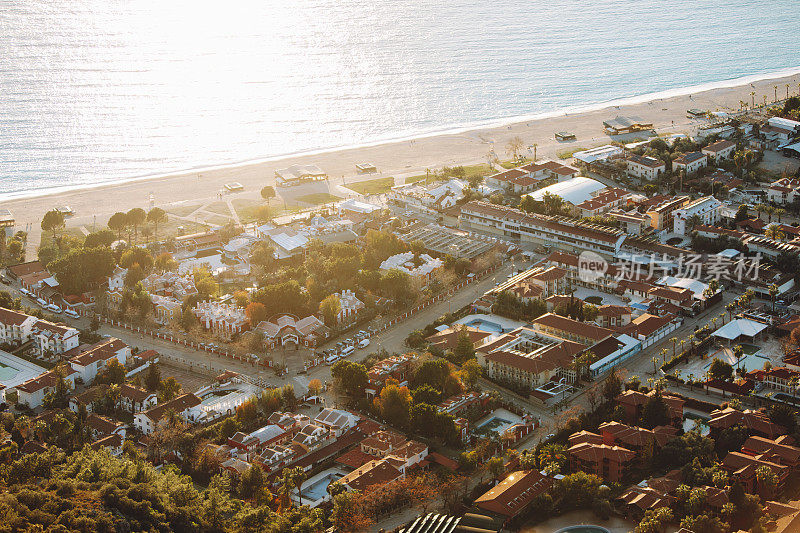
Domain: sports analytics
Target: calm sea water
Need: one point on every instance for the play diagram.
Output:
(92, 90)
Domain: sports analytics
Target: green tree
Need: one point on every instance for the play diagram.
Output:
(136, 217)
(104, 237)
(350, 376)
(155, 217)
(655, 412)
(330, 308)
(471, 372)
(394, 404)
(267, 193)
(721, 370)
(256, 312)
(53, 221)
(552, 458)
(152, 380)
(464, 350)
(168, 390)
(118, 222)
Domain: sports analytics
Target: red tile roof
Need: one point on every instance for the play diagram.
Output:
(514, 493)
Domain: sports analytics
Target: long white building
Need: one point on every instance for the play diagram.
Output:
(706, 208)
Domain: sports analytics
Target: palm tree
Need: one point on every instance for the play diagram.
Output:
(674, 341)
(655, 365)
(730, 308)
(690, 377)
(779, 212)
(773, 292)
(664, 353)
(738, 351)
(514, 146)
(760, 208)
(773, 231)
(753, 100)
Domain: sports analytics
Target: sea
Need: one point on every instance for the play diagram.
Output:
(95, 91)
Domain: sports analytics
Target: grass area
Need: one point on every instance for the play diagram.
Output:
(182, 210)
(216, 219)
(220, 208)
(318, 198)
(376, 186)
(566, 154)
(246, 208)
(511, 164)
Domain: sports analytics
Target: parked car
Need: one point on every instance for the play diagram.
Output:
(4, 280)
(42, 303)
(347, 351)
(54, 308)
(71, 313)
(364, 343)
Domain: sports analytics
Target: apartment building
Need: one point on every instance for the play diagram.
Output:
(33, 391)
(645, 167)
(602, 202)
(690, 163)
(54, 338)
(91, 362)
(15, 327)
(784, 191)
(661, 212)
(563, 233)
(529, 366)
(706, 209)
(720, 150)
(185, 406)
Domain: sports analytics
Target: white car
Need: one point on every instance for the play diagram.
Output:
(54, 308)
(364, 343)
(347, 351)
(41, 303)
(25, 292)
(71, 313)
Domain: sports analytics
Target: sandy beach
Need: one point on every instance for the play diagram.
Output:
(93, 206)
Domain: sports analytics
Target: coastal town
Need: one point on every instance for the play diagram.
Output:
(610, 335)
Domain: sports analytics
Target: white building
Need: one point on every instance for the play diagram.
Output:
(421, 267)
(350, 306)
(428, 199)
(15, 326)
(54, 338)
(165, 309)
(33, 391)
(645, 167)
(116, 281)
(169, 284)
(783, 191)
(89, 363)
(706, 208)
(573, 191)
(720, 150)
(690, 163)
(601, 153)
(186, 406)
(224, 320)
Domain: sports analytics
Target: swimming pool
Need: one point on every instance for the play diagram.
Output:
(583, 529)
(316, 488)
(485, 325)
(498, 421)
(7, 372)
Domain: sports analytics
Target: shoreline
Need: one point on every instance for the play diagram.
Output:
(473, 126)
(94, 203)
